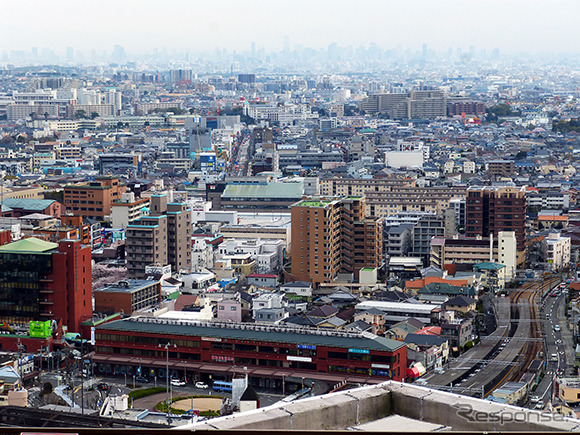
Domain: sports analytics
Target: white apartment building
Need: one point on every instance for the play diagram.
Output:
(556, 251)
(267, 253)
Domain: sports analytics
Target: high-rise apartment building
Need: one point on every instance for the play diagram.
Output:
(161, 237)
(493, 209)
(332, 236)
(414, 104)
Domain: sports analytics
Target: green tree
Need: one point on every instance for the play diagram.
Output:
(80, 114)
(94, 115)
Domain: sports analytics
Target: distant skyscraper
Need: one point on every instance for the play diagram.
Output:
(286, 43)
(69, 54)
(118, 53)
(253, 49)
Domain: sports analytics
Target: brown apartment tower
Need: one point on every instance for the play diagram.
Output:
(332, 236)
(162, 237)
(493, 209)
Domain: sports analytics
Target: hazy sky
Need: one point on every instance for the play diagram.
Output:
(141, 25)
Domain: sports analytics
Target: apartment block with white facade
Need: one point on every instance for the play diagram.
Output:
(556, 251)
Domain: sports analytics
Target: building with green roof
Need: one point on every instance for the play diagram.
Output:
(30, 244)
(200, 349)
(42, 281)
(265, 197)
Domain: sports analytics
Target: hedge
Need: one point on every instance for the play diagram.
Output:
(144, 392)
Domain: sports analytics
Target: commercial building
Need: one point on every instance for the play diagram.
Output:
(127, 296)
(490, 210)
(332, 236)
(46, 281)
(269, 353)
(94, 199)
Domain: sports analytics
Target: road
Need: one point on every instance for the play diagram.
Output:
(239, 165)
(558, 343)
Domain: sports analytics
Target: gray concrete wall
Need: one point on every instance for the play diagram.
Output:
(342, 410)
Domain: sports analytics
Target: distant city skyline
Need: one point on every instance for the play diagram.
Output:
(140, 27)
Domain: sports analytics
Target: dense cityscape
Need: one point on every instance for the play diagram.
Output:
(251, 238)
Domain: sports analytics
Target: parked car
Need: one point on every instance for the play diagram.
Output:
(201, 385)
(142, 379)
(177, 383)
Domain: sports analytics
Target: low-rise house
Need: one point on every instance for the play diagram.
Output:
(300, 288)
(458, 332)
(373, 317)
(460, 303)
(342, 298)
(400, 330)
(358, 326)
(230, 309)
(270, 315)
(429, 350)
(263, 279)
(266, 301)
(323, 312)
(333, 322)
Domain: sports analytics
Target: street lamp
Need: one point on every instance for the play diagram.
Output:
(166, 346)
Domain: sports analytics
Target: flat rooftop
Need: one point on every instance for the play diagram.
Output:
(391, 407)
(127, 286)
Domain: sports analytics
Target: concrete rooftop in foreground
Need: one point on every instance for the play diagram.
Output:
(392, 406)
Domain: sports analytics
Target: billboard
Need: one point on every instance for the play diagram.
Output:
(40, 329)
